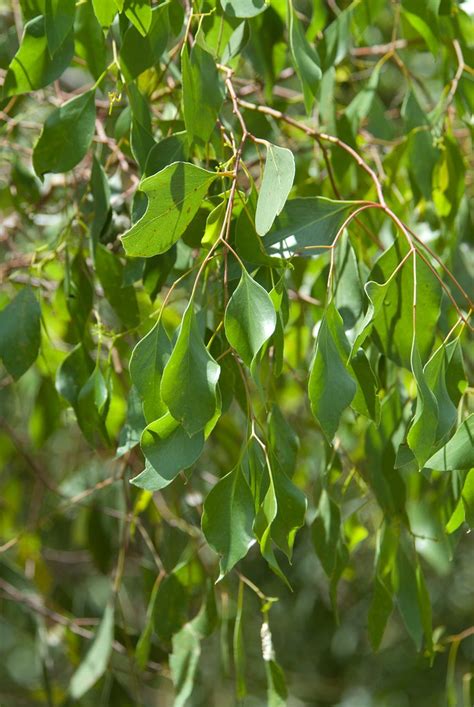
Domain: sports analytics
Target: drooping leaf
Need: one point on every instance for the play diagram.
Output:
(89, 39)
(305, 59)
(422, 433)
(202, 93)
(121, 297)
(173, 148)
(32, 67)
(140, 15)
(174, 196)
(331, 387)
(97, 658)
(464, 509)
(147, 364)
(59, 19)
(189, 381)
(66, 135)
(277, 181)
(380, 610)
(227, 519)
(105, 11)
(393, 330)
(250, 318)
(305, 223)
(20, 333)
(187, 649)
(139, 52)
(169, 449)
(458, 453)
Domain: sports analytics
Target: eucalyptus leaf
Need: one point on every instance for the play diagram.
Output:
(174, 196)
(20, 333)
(277, 181)
(97, 658)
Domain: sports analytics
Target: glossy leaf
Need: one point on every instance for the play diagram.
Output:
(189, 381)
(169, 449)
(66, 135)
(32, 67)
(147, 364)
(228, 518)
(174, 196)
(250, 318)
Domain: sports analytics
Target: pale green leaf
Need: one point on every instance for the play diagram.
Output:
(97, 658)
(105, 11)
(174, 196)
(422, 433)
(464, 509)
(139, 14)
(244, 8)
(277, 181)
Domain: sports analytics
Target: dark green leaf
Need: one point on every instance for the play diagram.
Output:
(202, 93)
(66, 135)
(189, 381)
(59, 19)
(20, 333)
(305, 60)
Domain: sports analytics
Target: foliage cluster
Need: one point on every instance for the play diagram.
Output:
(236, 428)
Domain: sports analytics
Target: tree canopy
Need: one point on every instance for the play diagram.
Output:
(236, 413)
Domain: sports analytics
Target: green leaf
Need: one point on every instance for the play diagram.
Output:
(276, 686)
(187, 649)
(237, 42)
(59, 19)
(91, 408)
(122, 298)
(32, 67)
(97, 658)
(305, 60)
(458, 453)
(331, 387)
(250, 318)
(20, 333)
(138, 52)
(147, 364)
(174, 195)
(238, 644)
(393, 321)
(169, 449)
(227, 519)
(277, 181)
(327, 533)
(464, 509)
(73, 374)
(89, 40)
(189, 381)
(132, 429)
(291, 510)
(139, 14)
(142, 650)
(66, 136)
(380, 610)
(244, 8)
(105, 11)
(203, 93)
(173, 148)
(305, 223)
(422, 433)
